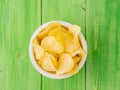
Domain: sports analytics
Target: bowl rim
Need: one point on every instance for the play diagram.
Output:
(38, 68)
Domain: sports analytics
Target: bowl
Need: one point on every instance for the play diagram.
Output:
(38, 68)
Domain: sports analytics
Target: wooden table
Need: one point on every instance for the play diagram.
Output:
(100, 23)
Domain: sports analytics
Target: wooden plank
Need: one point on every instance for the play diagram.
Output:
(18, 20)
(73, 12)
(103, 36)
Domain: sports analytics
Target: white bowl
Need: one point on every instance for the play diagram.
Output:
(39, 69)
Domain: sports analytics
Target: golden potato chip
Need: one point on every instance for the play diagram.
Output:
(55, 55)
(37, 49)
(53, 25)
(53, 59)
(76, 40)
(59, 34)
(74, 29)
(70, 45)
(50, 44)
(78, 54)
(77, 51)
(48, 62)
(74, 70)
(48, 55)
(35, 41)
(65, 38)
(77, 58)
(47, 65)
(65, 64)
(49, 27)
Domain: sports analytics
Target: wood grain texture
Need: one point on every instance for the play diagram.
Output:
(100, 23)
(70, 11)
(103, 38)
(18, 20)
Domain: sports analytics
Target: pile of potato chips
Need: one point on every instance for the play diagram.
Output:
(57, 49)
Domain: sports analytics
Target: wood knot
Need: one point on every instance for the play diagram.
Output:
(83, 5)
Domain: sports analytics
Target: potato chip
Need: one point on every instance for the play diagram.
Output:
(37, 49)
(65, 38)
(45, 31)
(74, 29)
(53, 25)
(35, 41)
(47, 65)
(77, 58)
(55, 55)
(74, 70)
(53, 59)
(70, 45)
(48, 62)
(77, 52)
(65, 64)
(59, 34)
(50, 44)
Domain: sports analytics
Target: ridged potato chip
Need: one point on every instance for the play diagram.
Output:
(48, 62)
(37, 49)
(45, 31)
(65, 64)
(50, 44)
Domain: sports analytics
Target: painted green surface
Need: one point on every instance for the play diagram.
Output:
(100, 23)
(18, 20)
(103, 38)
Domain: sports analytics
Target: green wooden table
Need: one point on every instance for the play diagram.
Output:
(100, 23)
